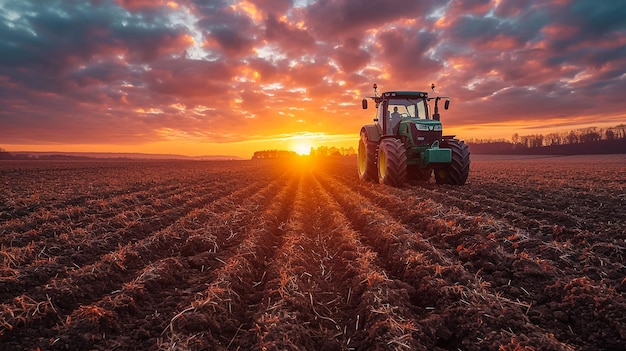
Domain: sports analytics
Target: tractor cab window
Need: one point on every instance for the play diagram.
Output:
(395, 114)
(408, 108)
(381, 116)
(401, 111)
(420, 108)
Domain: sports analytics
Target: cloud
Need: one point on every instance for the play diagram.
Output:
(136, 71)
(351, 56)
(187, 78)
(290, 40)
(352, 18)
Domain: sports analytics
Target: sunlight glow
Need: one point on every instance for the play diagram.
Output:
(302, 149)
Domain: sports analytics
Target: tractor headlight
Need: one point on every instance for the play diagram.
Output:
(429, 127)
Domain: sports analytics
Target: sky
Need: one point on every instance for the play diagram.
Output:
(219, 77)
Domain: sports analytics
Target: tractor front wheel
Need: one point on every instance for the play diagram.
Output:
(457, 171)
(366, 158)
(391, 162)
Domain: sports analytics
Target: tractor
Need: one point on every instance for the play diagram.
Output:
(406, 142)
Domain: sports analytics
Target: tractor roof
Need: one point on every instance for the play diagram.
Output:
(405, 94)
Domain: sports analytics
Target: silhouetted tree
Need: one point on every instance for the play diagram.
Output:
(610, 135)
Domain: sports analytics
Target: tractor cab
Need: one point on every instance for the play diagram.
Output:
(412, 107)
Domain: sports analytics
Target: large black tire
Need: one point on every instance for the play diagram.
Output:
(366, 158)
(391, 162)
(457, 171)
(419, 174)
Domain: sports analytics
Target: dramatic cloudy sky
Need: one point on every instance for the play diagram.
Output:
(230, 77)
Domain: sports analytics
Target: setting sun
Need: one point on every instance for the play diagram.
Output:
(302, 149)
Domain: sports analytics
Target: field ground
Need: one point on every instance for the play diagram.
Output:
(270, 255)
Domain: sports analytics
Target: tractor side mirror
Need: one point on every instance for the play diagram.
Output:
(364, 103)
(446, 104)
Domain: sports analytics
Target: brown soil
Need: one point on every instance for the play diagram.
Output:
(270, 255)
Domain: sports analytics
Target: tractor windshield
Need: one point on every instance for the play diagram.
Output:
(408, 108)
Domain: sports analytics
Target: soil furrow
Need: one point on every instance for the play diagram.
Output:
(238, 286)
(61, 296)
(441, 283)
(500, 254)
(185, 274)
(51, 256)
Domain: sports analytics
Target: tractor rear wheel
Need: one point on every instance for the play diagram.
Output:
(457, 171)
(366, 158)
(391, 162)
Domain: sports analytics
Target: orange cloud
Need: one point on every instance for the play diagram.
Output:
(209, 77)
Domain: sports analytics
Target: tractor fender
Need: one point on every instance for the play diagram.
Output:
(372, 131)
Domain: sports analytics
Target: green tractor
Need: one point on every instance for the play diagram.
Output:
(407, 142)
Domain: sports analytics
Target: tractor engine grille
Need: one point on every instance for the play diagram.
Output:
(422, 137)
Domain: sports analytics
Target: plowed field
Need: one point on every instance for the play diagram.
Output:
(268, 255)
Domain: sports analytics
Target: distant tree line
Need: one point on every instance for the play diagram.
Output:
(321, 151)
(324, 151)
(272, 154)
(583, 140)
(5, 155)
